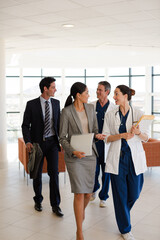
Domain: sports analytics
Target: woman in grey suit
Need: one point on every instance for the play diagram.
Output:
(78, 117)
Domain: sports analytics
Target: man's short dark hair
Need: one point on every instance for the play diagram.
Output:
(46, 82)
(107, 85)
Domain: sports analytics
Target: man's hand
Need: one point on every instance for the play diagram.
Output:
(29, 147)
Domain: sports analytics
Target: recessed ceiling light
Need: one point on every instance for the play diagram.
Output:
(68, 25)
(108, 43)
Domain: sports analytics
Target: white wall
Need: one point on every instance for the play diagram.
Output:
(83, 58)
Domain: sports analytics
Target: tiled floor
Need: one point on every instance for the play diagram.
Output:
(19, 220)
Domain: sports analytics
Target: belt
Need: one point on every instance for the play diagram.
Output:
(49, 138)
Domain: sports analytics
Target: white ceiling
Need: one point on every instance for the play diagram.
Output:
(37, 24)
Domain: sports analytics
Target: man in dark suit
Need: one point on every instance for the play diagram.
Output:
(41, 125)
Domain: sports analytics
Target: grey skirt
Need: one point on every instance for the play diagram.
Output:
(82, 174)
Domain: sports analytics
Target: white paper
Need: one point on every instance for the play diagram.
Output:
(145, 123)
(83, 143)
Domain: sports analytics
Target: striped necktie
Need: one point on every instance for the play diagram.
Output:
(47, 119)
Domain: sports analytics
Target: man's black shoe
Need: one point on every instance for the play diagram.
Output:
(57, 211)
(38, 207)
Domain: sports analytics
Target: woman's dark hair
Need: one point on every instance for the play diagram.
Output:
(126, 90)
(77, 87)
(46, 82)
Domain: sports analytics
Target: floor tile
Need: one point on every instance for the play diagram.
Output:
(20, 221)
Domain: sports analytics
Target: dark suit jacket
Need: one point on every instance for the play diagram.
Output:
(33, 124)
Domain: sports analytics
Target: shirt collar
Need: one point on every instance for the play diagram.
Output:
(44, 100)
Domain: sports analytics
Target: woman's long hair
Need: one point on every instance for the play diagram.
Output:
(126, 90)
(77, 87)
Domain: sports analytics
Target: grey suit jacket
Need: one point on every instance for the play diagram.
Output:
(70, 125)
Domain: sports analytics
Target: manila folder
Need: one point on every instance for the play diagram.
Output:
(83, 143)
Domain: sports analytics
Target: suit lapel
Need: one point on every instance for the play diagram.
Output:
(40, 107)
(76, 118)
(89, 114)
(53, 110)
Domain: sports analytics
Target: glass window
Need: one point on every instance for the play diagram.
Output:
(156, 127)
(156, 84)
(52, 72)
(58, 93)
(138, 71)
(95, 72)
(12, 146)
(12, 85)
(69, 82)
(156, 70)
(156, 104)
(118, 71)
(31, 71)
(12, 71)
(31, 86)
(13, 103)
(13, 121)
(139, 102)
(115, 81)
(156, 135)
(74, 72)
(92, 84)
(138, 84)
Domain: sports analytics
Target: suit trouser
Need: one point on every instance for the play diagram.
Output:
(103, 194)
(126, 188)
(50, 150)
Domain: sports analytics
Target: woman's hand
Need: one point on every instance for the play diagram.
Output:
(135, 130)
(79, 154)
(127, 135)
(100, 136)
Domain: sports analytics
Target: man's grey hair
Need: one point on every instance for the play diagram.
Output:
(106, 85)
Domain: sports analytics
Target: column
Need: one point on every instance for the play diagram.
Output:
(148, 96)
(148, 91)
(63, 97)
(3, 126)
